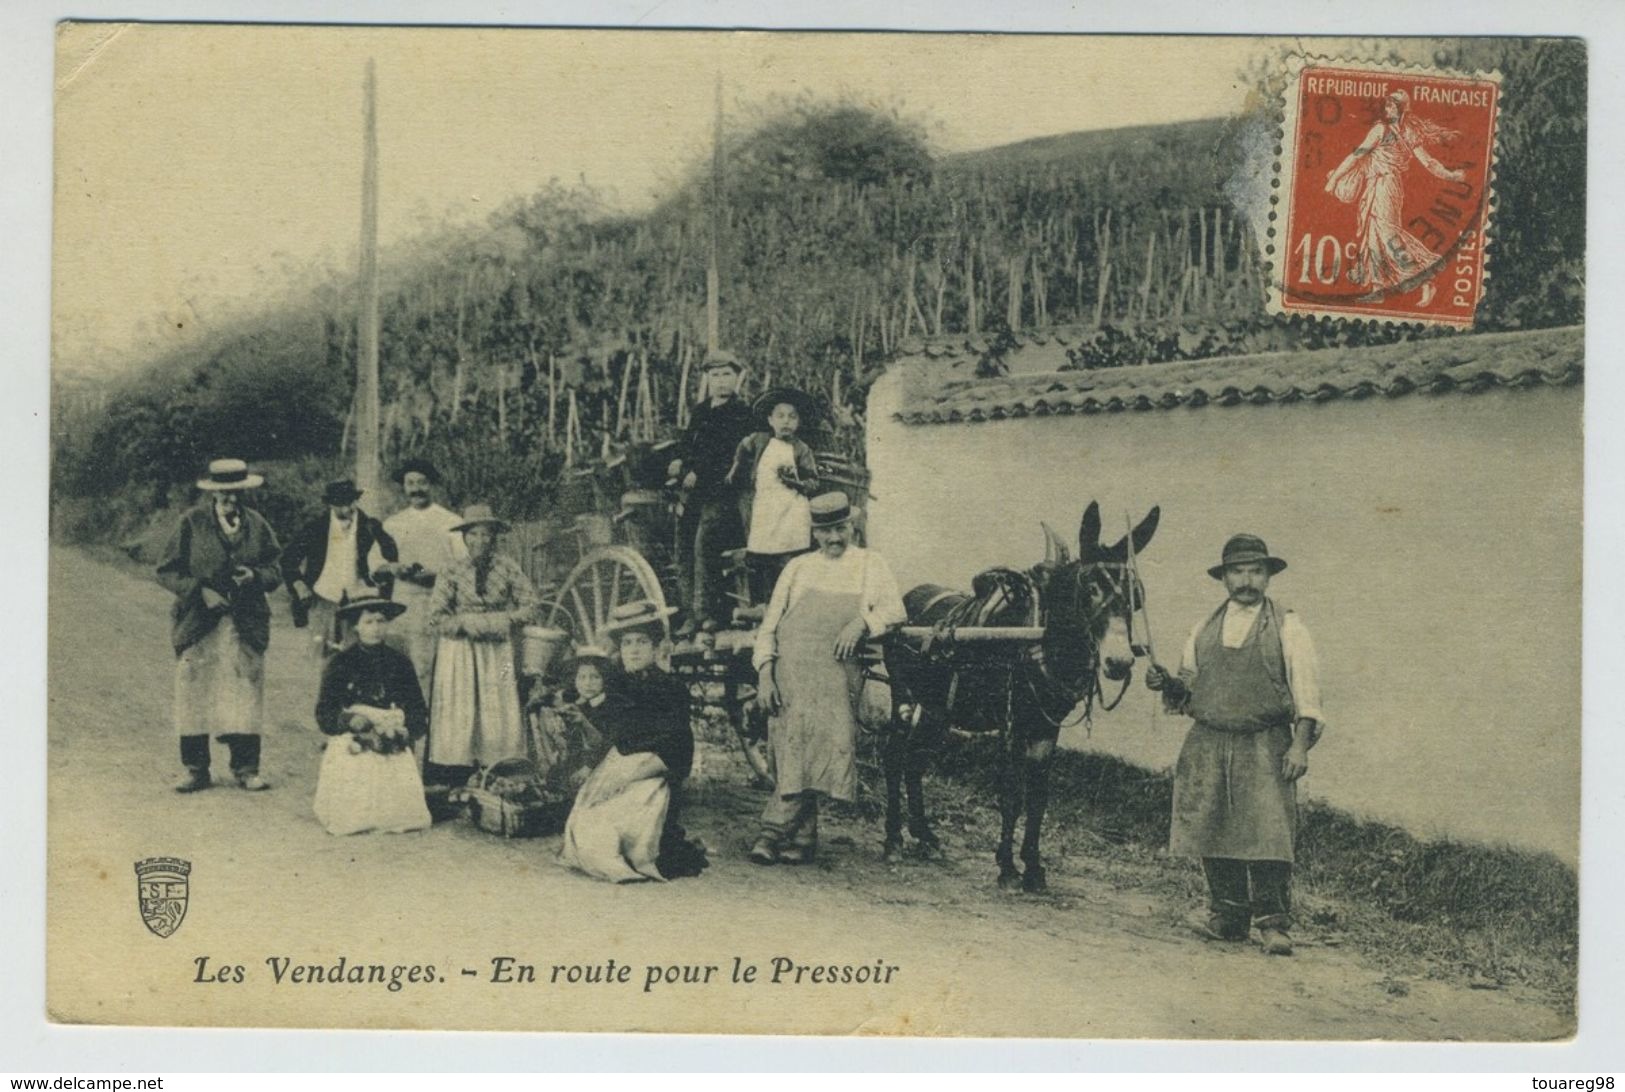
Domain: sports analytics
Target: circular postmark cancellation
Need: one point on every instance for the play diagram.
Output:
(1386, 176)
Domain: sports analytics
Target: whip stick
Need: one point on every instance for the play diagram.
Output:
(1134, 574)
(1145, 607)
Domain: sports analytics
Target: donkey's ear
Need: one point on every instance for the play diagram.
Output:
(1117, 552)
(1147, 528)
(1089, 532)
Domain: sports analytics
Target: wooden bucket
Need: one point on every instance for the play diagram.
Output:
(596, 529)
(539, 647)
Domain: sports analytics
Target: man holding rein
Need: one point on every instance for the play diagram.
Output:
(1249, 678)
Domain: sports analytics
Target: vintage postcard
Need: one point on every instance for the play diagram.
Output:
(814, 533)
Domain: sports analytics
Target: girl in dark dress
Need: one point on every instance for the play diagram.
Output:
(372, 709)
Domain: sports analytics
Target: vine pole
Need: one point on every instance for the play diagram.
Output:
(366, 380)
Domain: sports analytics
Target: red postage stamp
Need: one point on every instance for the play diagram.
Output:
(1386, 188)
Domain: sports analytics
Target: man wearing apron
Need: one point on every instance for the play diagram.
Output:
(824, 606)
(1250, 679)
(422, 532)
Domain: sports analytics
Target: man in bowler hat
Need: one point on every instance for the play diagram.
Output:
(1249, 678)
(328, 560)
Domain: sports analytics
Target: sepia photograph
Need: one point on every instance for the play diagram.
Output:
(1033, 536)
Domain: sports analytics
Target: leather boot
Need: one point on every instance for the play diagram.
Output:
(245, 761)
(195, 757)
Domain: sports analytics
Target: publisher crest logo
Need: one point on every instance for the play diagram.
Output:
(161, 887)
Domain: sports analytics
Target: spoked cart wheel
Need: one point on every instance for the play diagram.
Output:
(604, 578)
(750, 724)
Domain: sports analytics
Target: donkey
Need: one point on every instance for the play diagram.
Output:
(1024, 692)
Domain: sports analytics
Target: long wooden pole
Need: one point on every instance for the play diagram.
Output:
(366, 383)
(713, 275)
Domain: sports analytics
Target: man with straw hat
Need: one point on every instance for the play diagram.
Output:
(220, 561)
(709, 525)
(475, 718)
(825, 604)
(1249, 678)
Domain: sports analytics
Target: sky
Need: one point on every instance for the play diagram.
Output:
(197, 168)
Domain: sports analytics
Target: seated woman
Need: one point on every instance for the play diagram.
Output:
(371, 705)
(624, 823)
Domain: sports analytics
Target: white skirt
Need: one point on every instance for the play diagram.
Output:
(474, 714)
(369, 791)
(614, 829)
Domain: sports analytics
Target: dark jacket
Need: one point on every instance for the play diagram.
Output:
(654, 718)
(379, 676)
(199, 555)
(708, 444)
(748, 456)
(307, 553)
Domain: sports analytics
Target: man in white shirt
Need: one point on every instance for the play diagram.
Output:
(423, 533)
(1249, 677)
(331, 558)
(823, 607)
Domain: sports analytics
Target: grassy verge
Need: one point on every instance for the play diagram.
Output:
(1493, 916)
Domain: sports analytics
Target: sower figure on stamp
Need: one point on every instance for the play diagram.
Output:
(426, 543)
(1374, 173)
(1250, 680)
(709, 525)
(825, 604)
(329, 560)
(219, 562)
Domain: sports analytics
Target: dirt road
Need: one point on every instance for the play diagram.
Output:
(1093, 958)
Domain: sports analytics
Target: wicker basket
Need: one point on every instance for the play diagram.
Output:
(508, 799)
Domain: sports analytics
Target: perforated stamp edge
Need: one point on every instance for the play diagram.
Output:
(1284, 177)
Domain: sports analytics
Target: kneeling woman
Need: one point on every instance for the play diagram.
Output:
(371, 706)
(624, 823)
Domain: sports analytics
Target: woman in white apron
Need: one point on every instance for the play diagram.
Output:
(475, 718)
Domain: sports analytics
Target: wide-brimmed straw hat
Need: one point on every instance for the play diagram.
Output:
(810, 409)
(637, 615)
(341, 492)
(1244, 549)
(480, 515)
(355, 608)
(832, 510)
(229, 474)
